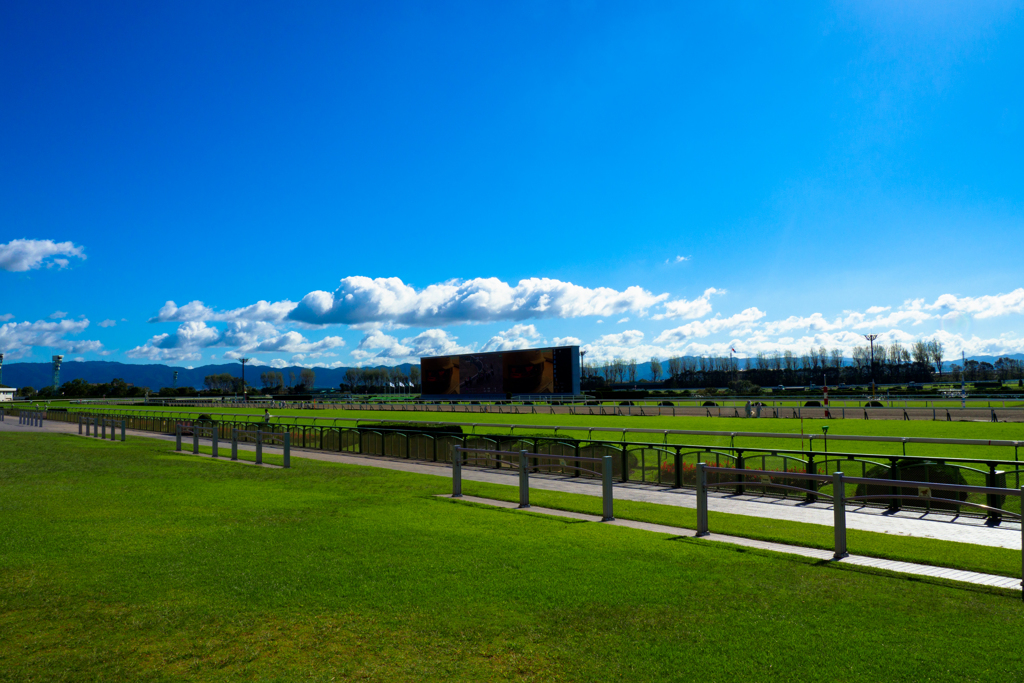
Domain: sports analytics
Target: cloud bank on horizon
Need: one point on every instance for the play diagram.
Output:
(299, 333)
(302, 333)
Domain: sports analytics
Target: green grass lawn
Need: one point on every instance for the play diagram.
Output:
(127, 562)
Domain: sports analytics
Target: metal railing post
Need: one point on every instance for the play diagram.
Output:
(113, 430)
(259, 447)
(702, 500)
(79, 425)
(839, 510)
(1022, 541)
(287, 449)
(95, 428)
(456, 472)
(177, 437)
(103, 426)
(195, 439)
(234, 443)
(606, 490)
(123, 424)
(524, 481)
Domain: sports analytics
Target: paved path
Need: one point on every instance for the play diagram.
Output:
(917, 524)
(824, 555)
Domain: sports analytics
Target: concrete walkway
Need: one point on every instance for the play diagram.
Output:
(944, 527)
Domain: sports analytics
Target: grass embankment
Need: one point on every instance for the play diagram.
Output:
(127, 562)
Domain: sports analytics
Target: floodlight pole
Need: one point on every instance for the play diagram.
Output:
(1, 369)
(243, 361)
(57, 360)
(871, 338)
(963, 373)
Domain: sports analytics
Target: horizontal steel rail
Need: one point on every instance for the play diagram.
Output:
(895, 483)
(628, 430)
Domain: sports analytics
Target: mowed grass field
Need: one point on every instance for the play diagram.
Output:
(128, 562)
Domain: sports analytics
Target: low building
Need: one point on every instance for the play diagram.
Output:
(6, 393)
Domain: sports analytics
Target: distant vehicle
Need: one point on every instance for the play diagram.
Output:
(780, 388)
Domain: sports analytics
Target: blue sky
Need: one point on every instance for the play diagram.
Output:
(393, 180)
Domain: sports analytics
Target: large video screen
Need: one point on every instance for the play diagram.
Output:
(440, 375)
(524, 372)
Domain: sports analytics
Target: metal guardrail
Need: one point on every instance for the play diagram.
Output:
(260, 436)
(98, 423)
(334, 421)
(664, 464)
(524, 473)
(31, 418)
(839, 498)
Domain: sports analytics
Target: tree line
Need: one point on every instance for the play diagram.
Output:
(273, 382)
(921, 361)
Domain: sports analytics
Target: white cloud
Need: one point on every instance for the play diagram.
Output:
(6, 316)
(517, 337)
(875, 310)
(622, 339)
(678, 259)
(248, 337)
(364, 300)
(57, 315)
(682, 308)
(289, 342)
(377, 348)
(988, 306)
(107, 323)
(622, 320)
(704, 328)
(20, 255)
(17, 339)
(566, 341)
(195, 311)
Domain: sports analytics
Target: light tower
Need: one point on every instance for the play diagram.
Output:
(174, 384)
(1, 369)
(243, 361)
(57, 360)
(871, 339)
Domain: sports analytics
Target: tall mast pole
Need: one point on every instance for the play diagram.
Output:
(871, 339)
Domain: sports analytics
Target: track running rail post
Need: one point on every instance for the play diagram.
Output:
(456, 472)
(524, 481)
(609, 513)
(839, 514)
(702, 500)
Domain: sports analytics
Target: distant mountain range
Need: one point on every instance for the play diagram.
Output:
(157, 376)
